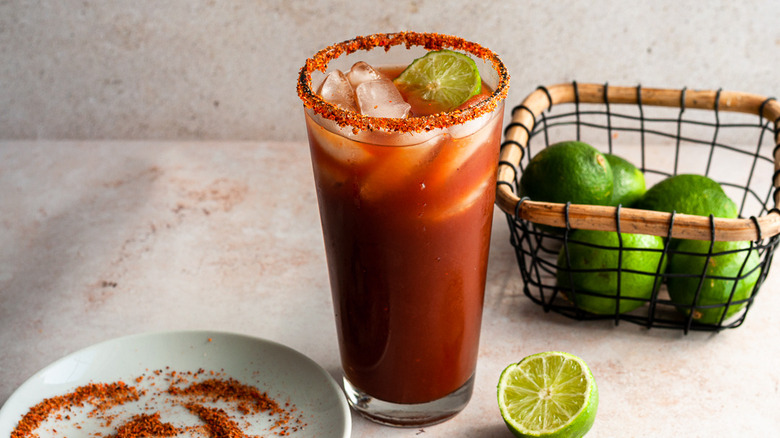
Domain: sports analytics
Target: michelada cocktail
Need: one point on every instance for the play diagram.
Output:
(404, 131)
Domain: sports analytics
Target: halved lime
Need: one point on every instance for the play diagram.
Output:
(551, 394)
(444, 79)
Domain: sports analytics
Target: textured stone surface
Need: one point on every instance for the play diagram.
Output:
(104, 239)
(206, 70)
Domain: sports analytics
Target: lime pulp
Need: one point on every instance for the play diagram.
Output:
(551, 394)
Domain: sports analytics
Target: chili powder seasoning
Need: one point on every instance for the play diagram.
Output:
(217, 422)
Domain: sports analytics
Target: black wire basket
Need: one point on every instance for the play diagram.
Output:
(730, 137)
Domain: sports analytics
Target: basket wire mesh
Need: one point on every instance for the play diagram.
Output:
(730, 137)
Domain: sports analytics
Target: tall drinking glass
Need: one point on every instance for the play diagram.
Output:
(406, 206)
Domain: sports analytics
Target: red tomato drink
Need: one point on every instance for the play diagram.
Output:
(406, 219)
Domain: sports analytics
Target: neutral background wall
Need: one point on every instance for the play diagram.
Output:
(212, 70)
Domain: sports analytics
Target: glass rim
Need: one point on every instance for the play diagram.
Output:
(429, 41)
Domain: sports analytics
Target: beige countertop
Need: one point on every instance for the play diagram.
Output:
(104, 239)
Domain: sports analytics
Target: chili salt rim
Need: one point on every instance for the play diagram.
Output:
(431, 42)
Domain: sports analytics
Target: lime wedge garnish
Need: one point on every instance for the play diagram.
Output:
(550, 394)
(444, 79)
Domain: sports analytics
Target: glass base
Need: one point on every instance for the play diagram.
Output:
(409, 415)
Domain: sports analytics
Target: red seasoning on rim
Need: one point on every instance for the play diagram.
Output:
(431, 42)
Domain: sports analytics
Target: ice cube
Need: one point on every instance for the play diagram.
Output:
(336, 141)
(376, 95)
(362, 72)
(380, 98)
(337, 90)
(335, 155)
(467, 140)
(401, 167)
(457, 207)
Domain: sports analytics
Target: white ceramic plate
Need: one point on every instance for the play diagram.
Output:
(281, 372)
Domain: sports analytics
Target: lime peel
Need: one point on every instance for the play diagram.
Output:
(550, 394)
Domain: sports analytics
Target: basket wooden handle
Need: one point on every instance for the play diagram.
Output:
(632, 220)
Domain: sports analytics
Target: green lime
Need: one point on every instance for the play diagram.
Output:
(570, 171)
(550, 394)
(442, 80)
(731, 270)
(588, 270)
(628, 181)
(689, 194)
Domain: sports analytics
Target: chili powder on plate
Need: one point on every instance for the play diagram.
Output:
(146, 425)
(217, 422)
